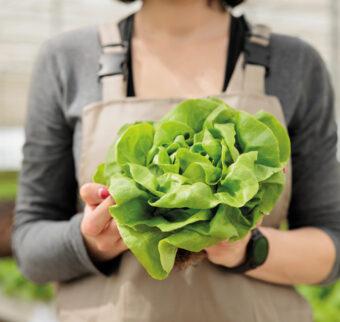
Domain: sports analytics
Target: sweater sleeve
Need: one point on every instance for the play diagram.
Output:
(46, 240)
(316, 170)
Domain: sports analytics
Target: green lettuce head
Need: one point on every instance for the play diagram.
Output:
(202, 174)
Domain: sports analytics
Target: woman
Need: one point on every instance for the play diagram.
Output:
(177, 48)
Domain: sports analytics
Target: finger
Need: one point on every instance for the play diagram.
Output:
(223, 244)
(95, 221)
(107, 244)
(113, 230)
(93, 193)
(121, 245)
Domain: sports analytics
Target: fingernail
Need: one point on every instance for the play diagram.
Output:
(103, 193)
(285, 170)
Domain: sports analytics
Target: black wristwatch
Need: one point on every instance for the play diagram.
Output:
(256, 253)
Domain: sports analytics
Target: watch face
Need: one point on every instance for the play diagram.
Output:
(260, 251)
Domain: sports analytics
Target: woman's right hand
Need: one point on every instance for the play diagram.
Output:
(99, 230)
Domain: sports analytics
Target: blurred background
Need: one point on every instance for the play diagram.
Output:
(24, 25)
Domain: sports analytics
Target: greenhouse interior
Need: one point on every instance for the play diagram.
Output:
(317, 22)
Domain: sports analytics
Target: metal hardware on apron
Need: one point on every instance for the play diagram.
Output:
(201, 293)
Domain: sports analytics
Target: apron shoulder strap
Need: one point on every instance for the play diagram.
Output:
(253, 64)
(256, 59)
(109, 34)
(256, 46)
(113, 62)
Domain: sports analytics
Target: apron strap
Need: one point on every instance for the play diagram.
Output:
(112, 64)
(253, 65)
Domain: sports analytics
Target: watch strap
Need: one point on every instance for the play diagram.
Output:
(250, 262)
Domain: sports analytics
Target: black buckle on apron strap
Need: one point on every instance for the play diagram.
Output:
(111, 64)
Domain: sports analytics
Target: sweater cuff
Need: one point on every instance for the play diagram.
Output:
(334, 274)
(78, 244)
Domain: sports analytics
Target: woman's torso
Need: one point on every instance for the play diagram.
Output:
(133, 281)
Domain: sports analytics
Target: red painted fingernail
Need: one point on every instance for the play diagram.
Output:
(103, 193)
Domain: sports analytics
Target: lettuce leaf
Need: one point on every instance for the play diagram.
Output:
(204, 173)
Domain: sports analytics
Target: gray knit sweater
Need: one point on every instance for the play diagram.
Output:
(47, 240)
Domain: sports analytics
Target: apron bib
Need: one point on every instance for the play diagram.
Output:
(200, 293)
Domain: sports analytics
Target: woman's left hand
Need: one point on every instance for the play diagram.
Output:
(229, 254)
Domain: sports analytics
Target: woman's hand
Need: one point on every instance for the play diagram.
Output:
(98, 228)
(229, 254)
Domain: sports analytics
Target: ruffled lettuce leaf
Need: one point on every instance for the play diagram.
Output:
(204, 173)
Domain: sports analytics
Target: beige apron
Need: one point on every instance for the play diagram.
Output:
(201, 293)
